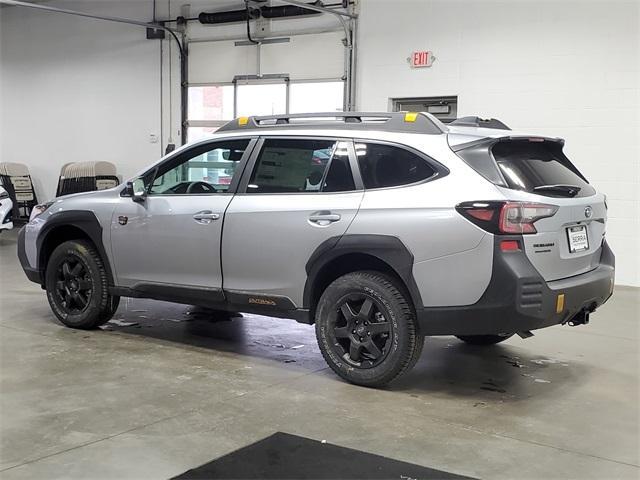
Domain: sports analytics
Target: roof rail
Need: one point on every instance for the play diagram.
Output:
(407, 122)
(479, 122)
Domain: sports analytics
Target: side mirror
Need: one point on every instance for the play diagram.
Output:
(137, 190)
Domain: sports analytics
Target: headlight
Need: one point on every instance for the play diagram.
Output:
(39, 209)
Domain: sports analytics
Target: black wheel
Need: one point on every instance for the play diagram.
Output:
(484, 339)
(366, 329)
(77, 287)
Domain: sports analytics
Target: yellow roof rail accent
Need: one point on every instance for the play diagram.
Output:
(410, 116)
(243, 120)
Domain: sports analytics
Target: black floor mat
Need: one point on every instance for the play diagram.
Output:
(284, 456)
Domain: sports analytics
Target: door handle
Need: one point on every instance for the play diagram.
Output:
(324, 218)
(206, 216)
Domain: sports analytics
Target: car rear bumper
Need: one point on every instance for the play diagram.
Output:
(519, 299)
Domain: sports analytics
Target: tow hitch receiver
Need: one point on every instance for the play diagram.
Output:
(525, 334)
(582, 317)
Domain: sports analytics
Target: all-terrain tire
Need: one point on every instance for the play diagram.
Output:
(77, 286)
(402, 345)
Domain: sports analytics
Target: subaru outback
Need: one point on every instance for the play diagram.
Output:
(379, 228)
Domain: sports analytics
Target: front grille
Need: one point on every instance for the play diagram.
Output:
(531, 294)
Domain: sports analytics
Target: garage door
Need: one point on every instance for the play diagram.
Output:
(223, 84)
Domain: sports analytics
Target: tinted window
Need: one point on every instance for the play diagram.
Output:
(294, 166)
(205, 169)
(526, 165)
(388, 166)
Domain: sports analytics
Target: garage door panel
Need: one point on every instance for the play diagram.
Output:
(219, 62)
(304, 57)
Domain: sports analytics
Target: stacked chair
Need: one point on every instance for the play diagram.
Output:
(79, 177)
(16, 180)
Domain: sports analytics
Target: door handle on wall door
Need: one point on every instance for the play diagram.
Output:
(206, 217)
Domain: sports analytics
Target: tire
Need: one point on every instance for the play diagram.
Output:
(484, 339)
(77, 286)
(366, 329)
(112, 305)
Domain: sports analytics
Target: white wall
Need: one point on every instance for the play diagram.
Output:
(562, 68)
(77, 89)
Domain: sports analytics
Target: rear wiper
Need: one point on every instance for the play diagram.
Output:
(568, 190)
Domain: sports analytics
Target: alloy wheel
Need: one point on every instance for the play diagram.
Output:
(362, 332)
(74, 286)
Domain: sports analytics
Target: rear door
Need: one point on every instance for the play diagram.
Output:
(536, 169)
(296, 194)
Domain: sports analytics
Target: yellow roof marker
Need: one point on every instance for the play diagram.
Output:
(410, 116)
(243, 121)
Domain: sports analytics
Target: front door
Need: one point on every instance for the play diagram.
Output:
(172, 238)
(300, 193)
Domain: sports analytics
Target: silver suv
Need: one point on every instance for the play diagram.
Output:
(380, 228)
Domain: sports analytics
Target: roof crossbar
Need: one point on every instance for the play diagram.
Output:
(406, 122)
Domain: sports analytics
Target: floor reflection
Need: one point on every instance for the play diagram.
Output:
(502, 372)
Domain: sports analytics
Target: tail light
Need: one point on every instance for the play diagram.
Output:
(506, 217)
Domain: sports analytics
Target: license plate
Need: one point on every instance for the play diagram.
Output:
(578, 239)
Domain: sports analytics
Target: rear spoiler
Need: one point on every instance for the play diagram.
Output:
(480, 123)
(491, 140)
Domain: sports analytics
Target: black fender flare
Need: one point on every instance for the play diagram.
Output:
(386, 248)
(83, 220)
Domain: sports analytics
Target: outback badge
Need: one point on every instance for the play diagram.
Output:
(261, 301)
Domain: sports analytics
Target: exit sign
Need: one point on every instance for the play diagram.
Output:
(422, 58)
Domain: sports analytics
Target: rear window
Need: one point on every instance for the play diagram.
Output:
(384, 166)
(533, 166)
(302, 166)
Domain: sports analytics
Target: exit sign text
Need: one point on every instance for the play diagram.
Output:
(422, 58)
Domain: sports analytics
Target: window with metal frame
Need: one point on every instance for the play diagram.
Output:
(318, 96)
(444, 108)
(302, 166)
(209, 169)
(383, 166)
(261, 99)
(211, 106)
